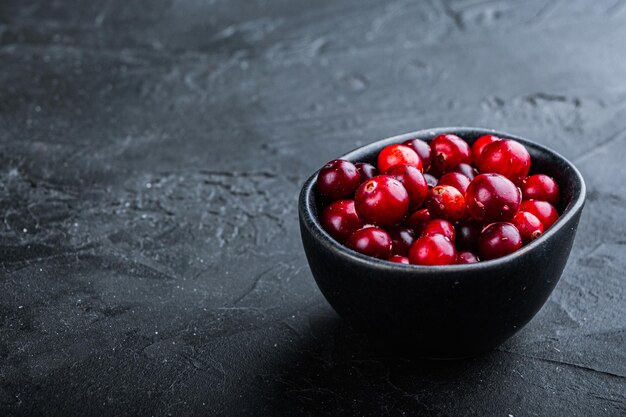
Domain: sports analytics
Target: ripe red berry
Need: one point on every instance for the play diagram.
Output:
(382, 201)
(340, 220)
(430, 180)
(544, 211)
(371, 241)
(448, 152)
(480, 144)
(338, 179)
(492, 198)
(402, 238)
(446, 202)
(398, 154)
(467, 233)
(456, 180)
(399, 259)
(540, 187)
(440, 227)
(467, 257)
(432, 250)
(366, 170)
(422, 148)
(499, 239)
(529, 226)
(505, 157)
(413, 181)
(467, 170)
(418, 220)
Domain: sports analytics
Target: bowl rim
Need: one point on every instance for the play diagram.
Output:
(313, 224)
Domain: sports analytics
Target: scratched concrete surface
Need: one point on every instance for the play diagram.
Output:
(151, 156)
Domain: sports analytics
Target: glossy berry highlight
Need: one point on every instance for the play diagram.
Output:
(433, 250)
(398, 155)
(371, 241)
(382, 201)
(338, 179)
(498, 240)
(446, 202)
(340, 220)
(492, 198)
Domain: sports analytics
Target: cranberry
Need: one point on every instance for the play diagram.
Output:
(382, 201)
(492, 197)
(529, 226)
(413, 181)
(480, 144)
(467, 170)
(540, 187)
(399, 259)
(467, 257)
(402, 238)
(417, 221)
(338, 179)
(440, 227)
(398, 154)
(505, 157)
(467, 233)
(422, 149)
(544, 211)
(340, 220)
(446, 202)
(433, 250)
(371, 241)
(499, 239)
(366, 170)
(456, 180)
(430, 180)
(448, 152)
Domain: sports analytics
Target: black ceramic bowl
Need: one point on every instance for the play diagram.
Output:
(449, 311)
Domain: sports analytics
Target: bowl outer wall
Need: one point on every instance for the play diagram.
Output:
(450, 311)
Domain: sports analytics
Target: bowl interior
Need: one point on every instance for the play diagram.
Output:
(544, 161)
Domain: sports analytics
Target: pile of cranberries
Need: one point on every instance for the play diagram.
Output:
(438, 203)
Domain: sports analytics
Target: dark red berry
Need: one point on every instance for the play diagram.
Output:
(541, 187)
(480, 144)
(499, 239)
(340, 220)
(448, 152)
(544, 211)
(492, 198)
(467, 257)
(422, 149)
(456, 180)
(440, 227)
(382, 201)
(402, 238)
(398, 154)
(467, 233)
(505, 157)
(446, 202)
(432, 250)
(430, 180)
(399, 259)
(366, 170)
(529, 226)
(371, 241)
(338, 179)
(413, 181)
(467, 170)
(417, 221)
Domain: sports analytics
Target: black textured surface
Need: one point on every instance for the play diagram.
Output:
(151, 158)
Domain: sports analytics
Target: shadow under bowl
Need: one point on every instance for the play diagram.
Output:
(451, 311)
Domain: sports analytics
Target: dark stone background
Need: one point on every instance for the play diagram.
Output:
(151, 157)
